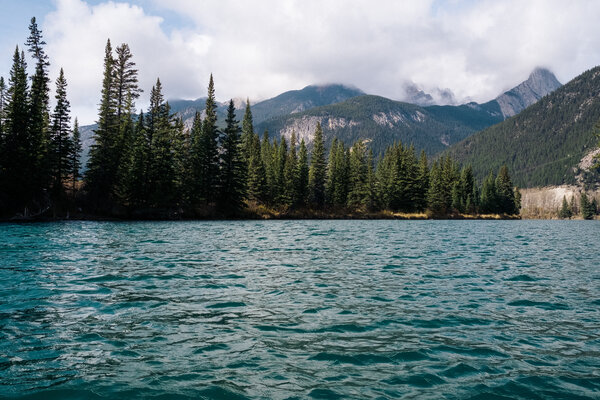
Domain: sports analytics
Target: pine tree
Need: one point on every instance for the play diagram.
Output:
(565, 210)
(317, 170)
(233, 171)
(60, 141)
(75, 154)
(267, 153)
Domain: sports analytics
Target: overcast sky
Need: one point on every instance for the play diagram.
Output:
(258, 49)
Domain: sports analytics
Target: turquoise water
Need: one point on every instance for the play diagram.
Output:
(300, 309)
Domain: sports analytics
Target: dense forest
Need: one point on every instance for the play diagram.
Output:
(543, 145)
(147, 165)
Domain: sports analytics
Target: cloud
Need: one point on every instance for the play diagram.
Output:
(477, 49)
(76, 34)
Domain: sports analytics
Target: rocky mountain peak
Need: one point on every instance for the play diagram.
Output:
(540, 83)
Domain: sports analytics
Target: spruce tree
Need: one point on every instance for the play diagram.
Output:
(233, 169)
(436, 195)
(3, 107)
(565, 210)
(39, 112)
(60, 141)
(302, 175)
(75, 155)
(423, 183)
(372, 202)
(317, 172)
(209, 162)
(489, 197)
(256, 172)
(358, 190)
(586, 207)
(290, 174)
(505, 192)
(19, 155)
(125, 81)
(162, 173)
(247, 132)
(103, 163)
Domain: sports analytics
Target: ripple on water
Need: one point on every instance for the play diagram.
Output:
(300, 309)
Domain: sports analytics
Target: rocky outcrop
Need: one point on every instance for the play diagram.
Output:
(540, 83)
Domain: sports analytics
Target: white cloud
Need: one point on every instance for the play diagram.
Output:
(260, 49)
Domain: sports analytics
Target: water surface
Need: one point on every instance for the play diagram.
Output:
(300, 309)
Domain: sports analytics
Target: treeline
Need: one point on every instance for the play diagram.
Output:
(149, 164)
(39, 152)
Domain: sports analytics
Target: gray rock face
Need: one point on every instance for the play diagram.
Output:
(540, 83)
(414, 95)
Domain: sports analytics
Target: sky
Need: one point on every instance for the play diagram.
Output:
(259, 49)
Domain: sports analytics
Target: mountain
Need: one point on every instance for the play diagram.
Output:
(382, 121)
(414, 95)
(296, 101)
(540, 83)
(286, 103)
(547, 143)
(432, 128)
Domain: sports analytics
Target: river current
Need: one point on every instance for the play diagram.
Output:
(300, 309)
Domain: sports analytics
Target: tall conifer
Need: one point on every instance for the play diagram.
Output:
(317, 172)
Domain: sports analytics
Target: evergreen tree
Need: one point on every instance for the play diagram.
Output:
(505, 192)
(75, 154)
(3, 107)
(39, 111)
(290, 174)
(233, 171)
(256, 172)
(340, 175)
(125, 81)
(280, 158)
(317, 172)
(302, 175)
(104, 162)
(565, 210)
(586, 207)
(209, 163)
(247, 132)
(60, 141)
(436, 195)
(162, 173)
(489, 198)
(358, 191)
(371, 200)
(268, 153)
(135, 182)
(422, 183)
(19, 155)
